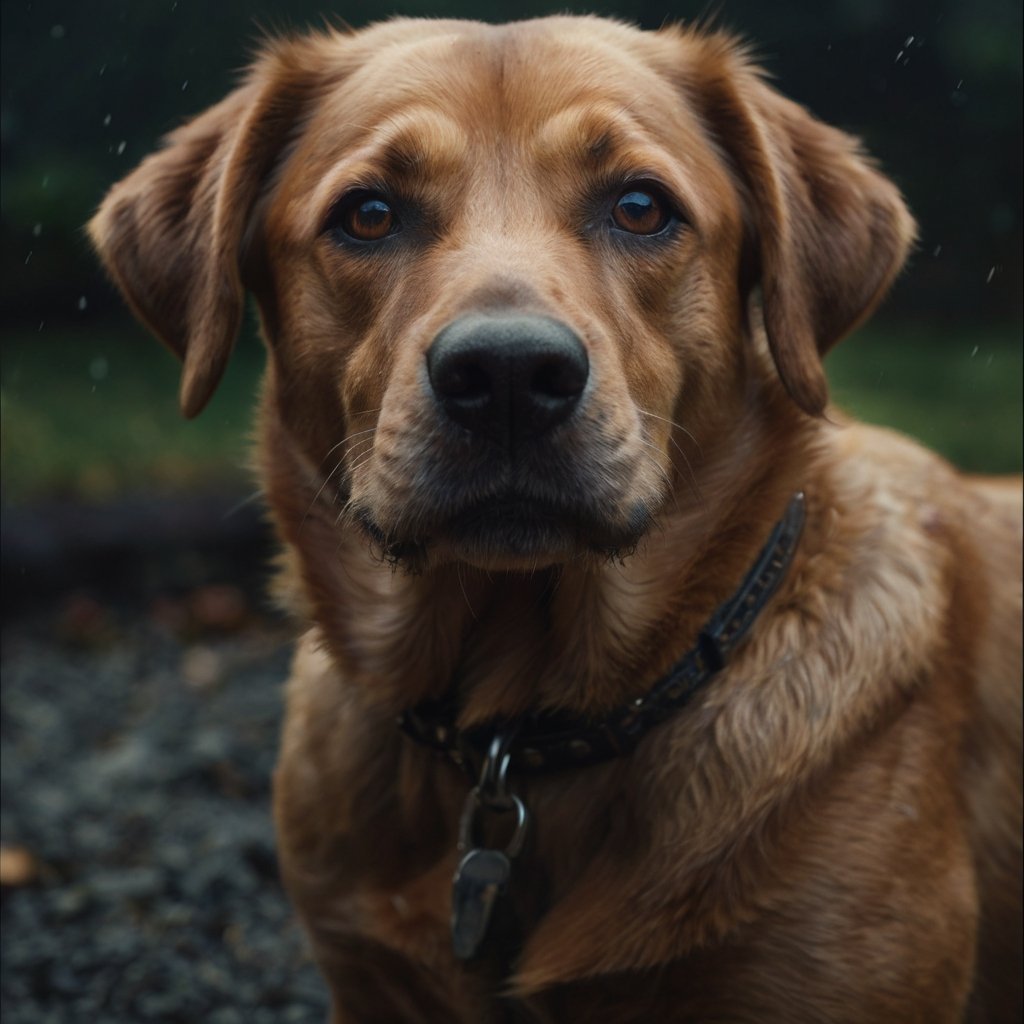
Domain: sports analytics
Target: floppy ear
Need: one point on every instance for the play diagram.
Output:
(170, 234)
(830, 231)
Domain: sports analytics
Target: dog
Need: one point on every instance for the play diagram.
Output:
(636, 683)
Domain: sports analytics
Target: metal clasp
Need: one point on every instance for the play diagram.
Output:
(491, 793)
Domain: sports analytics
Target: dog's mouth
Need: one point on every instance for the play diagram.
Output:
(512, 531)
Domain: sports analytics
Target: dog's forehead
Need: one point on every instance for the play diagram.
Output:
(532, 82)
(488, 112)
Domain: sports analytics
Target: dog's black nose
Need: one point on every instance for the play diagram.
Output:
(509, 377)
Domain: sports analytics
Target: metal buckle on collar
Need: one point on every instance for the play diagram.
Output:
(483, 873)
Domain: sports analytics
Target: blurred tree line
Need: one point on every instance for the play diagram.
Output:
(933, 87)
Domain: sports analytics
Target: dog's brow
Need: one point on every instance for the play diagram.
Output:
(421, 140)
(586, 134)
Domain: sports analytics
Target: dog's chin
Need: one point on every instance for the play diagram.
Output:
(511, 535)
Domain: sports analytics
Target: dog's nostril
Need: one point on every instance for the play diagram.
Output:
(507, 377)
(560, 378)
(463, 380)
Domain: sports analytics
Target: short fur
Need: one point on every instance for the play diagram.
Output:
(831, 831)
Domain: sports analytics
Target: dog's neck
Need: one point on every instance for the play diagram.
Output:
(583, 637)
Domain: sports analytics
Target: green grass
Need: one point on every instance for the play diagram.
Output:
(93, 413)
(959, 393)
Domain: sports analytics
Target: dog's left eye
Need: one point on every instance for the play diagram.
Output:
(364, 217)
(641, 212)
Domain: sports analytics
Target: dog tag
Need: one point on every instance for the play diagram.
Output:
(479, 879)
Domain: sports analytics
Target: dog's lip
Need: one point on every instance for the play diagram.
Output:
(504, 529)
(512, 509)
(515, 525)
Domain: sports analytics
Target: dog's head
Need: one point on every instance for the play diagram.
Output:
(503, 271)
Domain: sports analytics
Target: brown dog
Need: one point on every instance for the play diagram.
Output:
(545, 307)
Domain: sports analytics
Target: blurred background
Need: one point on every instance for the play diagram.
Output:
(140, 662)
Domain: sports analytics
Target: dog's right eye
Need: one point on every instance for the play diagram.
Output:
(641, 212)
(364, 217)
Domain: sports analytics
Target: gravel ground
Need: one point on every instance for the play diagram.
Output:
(137, 753)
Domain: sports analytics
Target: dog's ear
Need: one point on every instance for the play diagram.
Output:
(829, 231)
(170, 234)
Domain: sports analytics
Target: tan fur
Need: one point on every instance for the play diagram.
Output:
(831, 831)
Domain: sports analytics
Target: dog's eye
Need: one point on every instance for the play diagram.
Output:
(640, 212)
(366, 218)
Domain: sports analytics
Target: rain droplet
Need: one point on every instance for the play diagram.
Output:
(974, 351)
(46, 180)
(121, 146)
(82, 302)
(908, 41)
(103, 68)
(184, 85)
(106, 121)
(991, 274)
(37, 230)
(57, 32)
(938, 249)
(28, 257)
(42, 324)
(99, 368)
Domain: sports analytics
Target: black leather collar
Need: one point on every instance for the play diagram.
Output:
(551, 741)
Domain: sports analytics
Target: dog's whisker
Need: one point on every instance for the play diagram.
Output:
(361, 461)
(677, 426)
(357, 445)
(346, 438)
(338, 465)
(319, 492)
(688, 475)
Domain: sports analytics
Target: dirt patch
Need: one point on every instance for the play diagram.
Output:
(138, 746)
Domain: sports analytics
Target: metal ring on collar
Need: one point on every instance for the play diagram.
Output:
(474, 803)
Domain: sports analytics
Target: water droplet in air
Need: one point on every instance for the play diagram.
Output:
(106, 121)
(99, 368)
(37, 230)
(82, 302)
(121, 146)
(57, 32)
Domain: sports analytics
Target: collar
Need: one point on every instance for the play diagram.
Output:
(546, 742)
